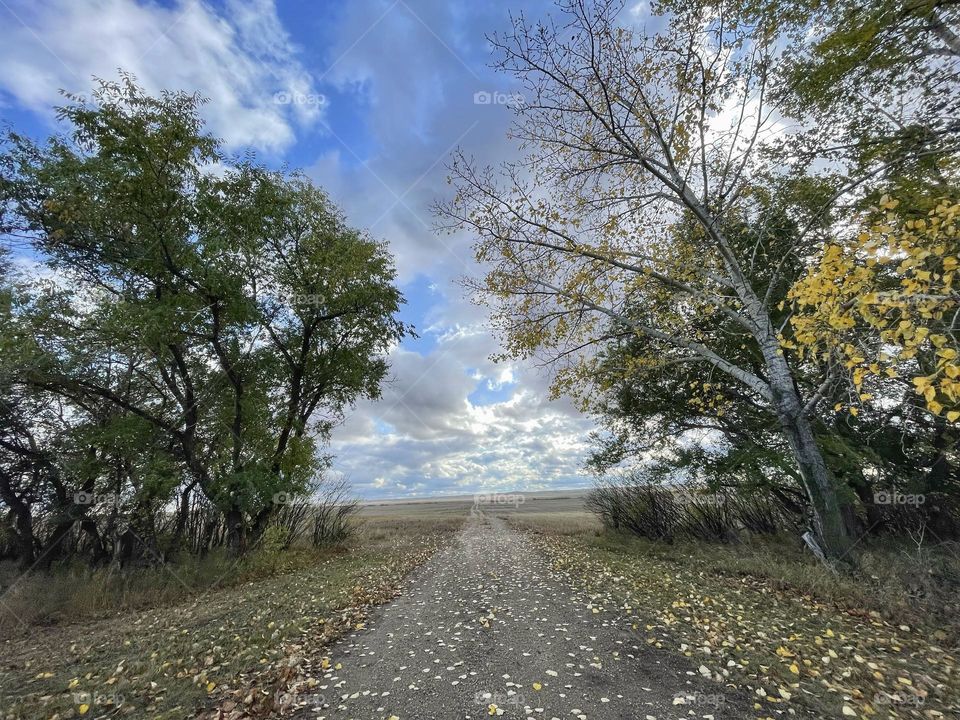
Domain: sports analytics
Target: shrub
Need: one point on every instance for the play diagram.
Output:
(641, 508)
(706, 516)
(333, 514)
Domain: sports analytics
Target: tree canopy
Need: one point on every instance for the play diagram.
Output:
(675, 191)
(202, 325)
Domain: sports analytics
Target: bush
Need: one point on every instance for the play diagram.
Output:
(635, 505)
(332, 516)
(638, 507)
(707, 516)
(907, 514)
(759, 514)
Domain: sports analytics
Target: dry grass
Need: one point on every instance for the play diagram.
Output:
(377, 528)
(898, 579)
(767, 617)
(574, 523)
(200, 632)
(77, 593)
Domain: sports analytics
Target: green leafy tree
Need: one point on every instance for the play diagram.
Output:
(224, 309)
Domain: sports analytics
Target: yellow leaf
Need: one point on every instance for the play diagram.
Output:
(83, 709)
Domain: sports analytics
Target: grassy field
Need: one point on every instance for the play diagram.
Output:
(169, 642)
(506, 503)
(765, 617)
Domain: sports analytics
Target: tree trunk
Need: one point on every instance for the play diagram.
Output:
(25, 541)
(236, 531)
(53, 549)
(828, 520)
(937, 478)
(24, 523)
(183, 513)
(98, 552)
(260, 523)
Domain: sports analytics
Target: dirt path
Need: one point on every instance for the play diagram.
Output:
(485, 624)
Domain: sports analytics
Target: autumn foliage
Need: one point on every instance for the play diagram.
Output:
(883, 305)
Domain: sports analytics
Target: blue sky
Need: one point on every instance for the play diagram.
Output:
(368, 97)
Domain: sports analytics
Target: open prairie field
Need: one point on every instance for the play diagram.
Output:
(544, 501)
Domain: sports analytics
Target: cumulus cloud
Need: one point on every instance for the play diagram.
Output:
(415, 68)
(425, 436)
(242, 60)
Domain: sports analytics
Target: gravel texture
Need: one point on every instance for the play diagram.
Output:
(488, 628)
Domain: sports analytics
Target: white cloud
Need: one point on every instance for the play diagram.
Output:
(414, 67)
(240, 60)
(426, 437)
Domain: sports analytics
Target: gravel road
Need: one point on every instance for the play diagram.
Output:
(488, 628)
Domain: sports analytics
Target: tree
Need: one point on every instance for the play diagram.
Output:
(873, 86)
(878, 311)
(671, 415)
(884, 303)
(212, 319)
(630, 138)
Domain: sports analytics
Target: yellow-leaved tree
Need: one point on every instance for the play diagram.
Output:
(884, 305)
(637, 205)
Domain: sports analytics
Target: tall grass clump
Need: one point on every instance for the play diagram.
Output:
(649, 509)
